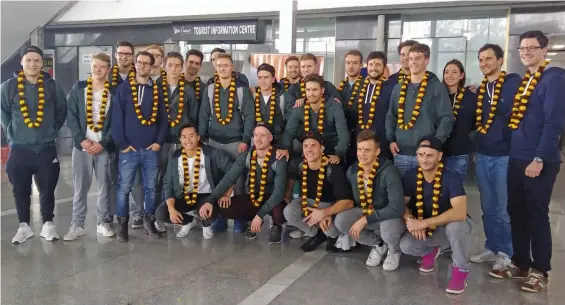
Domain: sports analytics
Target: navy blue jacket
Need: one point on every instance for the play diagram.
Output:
(127, 129)
(496, 142)
(544, 121)
(459, 143)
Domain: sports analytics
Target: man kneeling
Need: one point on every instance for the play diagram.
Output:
(324, 193)
(265, 184)
(436, 214)
(377, 190)
(192, 173)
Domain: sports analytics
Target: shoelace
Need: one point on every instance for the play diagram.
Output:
(534, 279)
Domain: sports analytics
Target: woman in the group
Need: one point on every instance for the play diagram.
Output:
(463, 101)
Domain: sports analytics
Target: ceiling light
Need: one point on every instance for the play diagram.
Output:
(551, 54)
(558, 46)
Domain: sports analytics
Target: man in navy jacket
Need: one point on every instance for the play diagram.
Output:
(139, 127)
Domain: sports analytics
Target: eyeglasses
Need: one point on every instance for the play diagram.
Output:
(142, 63)
(529, 49)
(125, 54)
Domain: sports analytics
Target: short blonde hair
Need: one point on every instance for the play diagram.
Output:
(224, 55)
(103, 57)
(156, 47)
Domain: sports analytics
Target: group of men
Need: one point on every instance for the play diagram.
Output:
(378, 161)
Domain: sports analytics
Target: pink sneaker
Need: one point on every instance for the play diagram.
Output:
(429, 261)
(458, 281)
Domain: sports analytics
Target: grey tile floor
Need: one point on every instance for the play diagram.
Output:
(232, 270)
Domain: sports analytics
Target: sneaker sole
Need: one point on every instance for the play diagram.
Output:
(531, 290)
(136, 226)
(456, 291)
(275, 242)
(52, 239)
(17, 242)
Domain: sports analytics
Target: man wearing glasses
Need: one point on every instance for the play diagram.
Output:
(139, 128)
(124, 66)
(157, 71)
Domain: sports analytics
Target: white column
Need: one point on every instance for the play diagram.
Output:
(287, 26)
(381, 33)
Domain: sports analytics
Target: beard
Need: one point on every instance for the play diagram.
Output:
(377, 76)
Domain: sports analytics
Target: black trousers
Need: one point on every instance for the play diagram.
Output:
(162, 211)
(242, 208)
(528, 207)
(44, 167)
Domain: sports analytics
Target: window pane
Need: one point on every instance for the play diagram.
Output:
(449, 28)
(394, 28)
(416, 29)
(477, 33)
(392, 50)
(497, 31)
(452, 44)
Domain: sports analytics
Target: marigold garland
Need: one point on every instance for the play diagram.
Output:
(190, 198)
(89, 106)
(285, 82)
(116, 75)
(217, 108)
(354, 91)
(24, 108)
(522, 98)
(373, 103)
(197, 87)
(319, 187)
(483, 129)
(457, 102)
(258, 199)
(272, 100)
(402, 101)
(366, 194)
(302, 85)
(307, 108)
(401, 76)
(181, 83)
(435, 196)
(155, 109)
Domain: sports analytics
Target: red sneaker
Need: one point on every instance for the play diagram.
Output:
(429, 261)
(458, 281)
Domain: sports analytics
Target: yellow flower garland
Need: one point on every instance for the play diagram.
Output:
(435, 196)
(153, 119)
(402, 101)
(302, 85)
(190, 198)
(285, 82)
(366, 194)
(401, 76)
(89, 107)
(258, 199)
(24, 108)
(197, 87)
(116, 73)
(272, 99)
(457, 102)
(483, 129)
(522, 98)
(180, 110)
(217, 108)
(320, 185)
(307, 108)
(354, 91)
(373, 104)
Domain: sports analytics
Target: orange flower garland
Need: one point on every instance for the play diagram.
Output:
(24, 108)
(320, 185)
(116, 73)
(180, 109)
(153, 119)
(354, 91)
(435, 196)
(258, 199)
(402, 101)
(483, 129)
(523, 96)
(366, 194)
(457, 102)
(286, 83)
(401, 76)
(89, 98)
(302, 85)
(272, 99)
(217, 108)
(373, 104)
(307, 108)
(197, 87)
(190, 198)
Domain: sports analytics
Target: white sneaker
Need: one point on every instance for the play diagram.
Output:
(160, 226)
(376, 255)
(207, 232)
(392, 261)
(502, 261)
(48, 232)
(24, 233)
(186, 228)
(75, 232)
(485, 256)
(296, 234)
(105, 229)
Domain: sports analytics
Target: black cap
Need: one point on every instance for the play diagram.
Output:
(266, 125)
(313, 134)
(266, 67)
(435, 143)
(29, 49)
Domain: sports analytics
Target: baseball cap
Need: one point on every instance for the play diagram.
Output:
(434, 143)
(313, 134)
(269, 127)
(29, 49)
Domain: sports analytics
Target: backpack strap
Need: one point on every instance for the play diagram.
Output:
(211, 95)
(281, 105)
(240, 99)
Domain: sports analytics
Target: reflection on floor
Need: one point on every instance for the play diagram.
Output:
(231, 270)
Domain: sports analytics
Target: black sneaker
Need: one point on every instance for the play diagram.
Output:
(122, 235)
(313, 243)
(249, 235)
(137, 223)
(330, 245)
(149, 226)
(275, 236)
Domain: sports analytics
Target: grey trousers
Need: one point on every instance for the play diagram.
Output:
(165, 155)
(231, 149)
(84, 165)
(456, 235)
(390, 231)
(293, 215)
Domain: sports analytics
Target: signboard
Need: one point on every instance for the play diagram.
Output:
(230, 30)
(49, 62)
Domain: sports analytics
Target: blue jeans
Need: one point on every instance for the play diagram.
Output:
(405, 163)
(129, 163)
(492, 173)
(458, 164)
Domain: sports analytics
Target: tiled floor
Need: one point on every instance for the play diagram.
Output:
(231, 270)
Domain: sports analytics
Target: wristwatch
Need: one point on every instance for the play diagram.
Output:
(538, 160)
